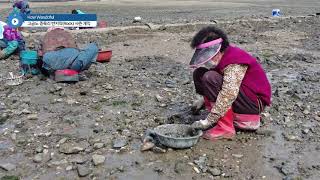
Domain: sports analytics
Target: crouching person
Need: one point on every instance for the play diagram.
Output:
(233, 84)
(11, 41)
(61, 54)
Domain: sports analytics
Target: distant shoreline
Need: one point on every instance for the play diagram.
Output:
(41, 1)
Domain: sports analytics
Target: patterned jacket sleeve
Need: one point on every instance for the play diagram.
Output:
(232, 78)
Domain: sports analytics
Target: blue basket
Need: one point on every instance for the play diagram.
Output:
(28, 61)
(29, 57)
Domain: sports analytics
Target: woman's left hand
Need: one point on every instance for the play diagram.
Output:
(202, 124)
(207, 123)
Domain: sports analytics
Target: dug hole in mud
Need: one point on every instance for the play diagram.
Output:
(93, 129)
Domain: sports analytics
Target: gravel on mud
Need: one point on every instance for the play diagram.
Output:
(51, 131)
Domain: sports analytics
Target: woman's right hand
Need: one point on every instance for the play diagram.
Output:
(197, 105)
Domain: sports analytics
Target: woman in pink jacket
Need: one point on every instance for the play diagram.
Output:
(233, 84)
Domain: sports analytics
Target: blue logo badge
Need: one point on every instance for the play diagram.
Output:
(15, 20)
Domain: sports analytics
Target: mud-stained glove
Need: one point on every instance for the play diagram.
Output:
(205, 124)
(202, 124)
(197, 105)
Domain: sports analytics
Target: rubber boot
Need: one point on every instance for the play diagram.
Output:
(223, 129)
(66, 75)
(250, 122)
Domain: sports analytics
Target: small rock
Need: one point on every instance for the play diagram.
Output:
(83, 171)
(170, 83)
(58, 100)
(202, 163)
(137, 19)
(317, 118)
(78, 159)
(32, 117)
(286, 170)
(47, 134)
(126, 133)
(185, 81)
(45, 151)
(71, 101)
(159, 98)
(158, 169)
(181, 167)
(46, 157)
(147, 145)
(157, 149)
(2, 106)
(196, 170)
(89, 150)
(287, 119)
(69, 168)
(98, 159)
(95, 92)
(119, 143)
(291, 137)
(58, 163)
(108, 86)
(26, 111)
(14, 136)
(63, 140)
(265, 132)
(98, 145)
(37, 158)
(3, 118)
(70, 148)
(96, 140)
(57, 88)
(120, 169)
(39, 149)
(7, 166)
(214, 171)
(237, 155)
(306, 112)
(266, 115)
(299, 103)
(305, 131)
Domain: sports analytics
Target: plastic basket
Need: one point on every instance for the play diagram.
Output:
(29, 57)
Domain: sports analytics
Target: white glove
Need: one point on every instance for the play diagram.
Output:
(202, 124)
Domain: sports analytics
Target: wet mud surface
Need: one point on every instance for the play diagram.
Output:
(122, 12)
(93, 129)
